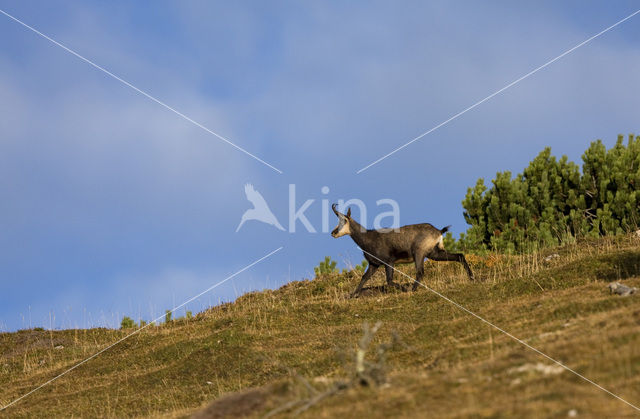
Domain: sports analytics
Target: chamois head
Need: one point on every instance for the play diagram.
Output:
(343, 223)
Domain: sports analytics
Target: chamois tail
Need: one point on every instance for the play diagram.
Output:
(445, 229)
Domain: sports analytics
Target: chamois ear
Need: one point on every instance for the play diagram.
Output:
(349, 213)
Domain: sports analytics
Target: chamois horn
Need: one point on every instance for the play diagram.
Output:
(333, 207)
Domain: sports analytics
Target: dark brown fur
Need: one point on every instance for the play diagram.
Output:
(410, 243)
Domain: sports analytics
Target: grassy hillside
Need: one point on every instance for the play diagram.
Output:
(277, 349)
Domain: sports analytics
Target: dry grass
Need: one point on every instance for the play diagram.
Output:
(448, 363)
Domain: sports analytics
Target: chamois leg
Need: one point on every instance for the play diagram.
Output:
(443, 255)
(419, 261)
(388, 269)
(371, 269)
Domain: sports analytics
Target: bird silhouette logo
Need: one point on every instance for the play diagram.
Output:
(260, 210)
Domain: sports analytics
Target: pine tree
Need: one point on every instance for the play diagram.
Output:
(551, 201)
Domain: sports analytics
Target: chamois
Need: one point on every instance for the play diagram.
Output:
(410, 243)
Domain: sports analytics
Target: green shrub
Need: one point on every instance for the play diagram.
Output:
(167, 316)
(358, 268)
(362, 267)
(327, 266)
(553, 202)
(450, 243)
(127, 323)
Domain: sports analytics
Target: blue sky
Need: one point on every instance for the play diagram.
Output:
(111, 205)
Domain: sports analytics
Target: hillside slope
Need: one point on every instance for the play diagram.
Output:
(275, 349)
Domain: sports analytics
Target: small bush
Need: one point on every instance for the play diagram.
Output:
(362, 267)
(127, 323)
(167, 316)
(327, 266)
(358, 268)
(189, 315)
